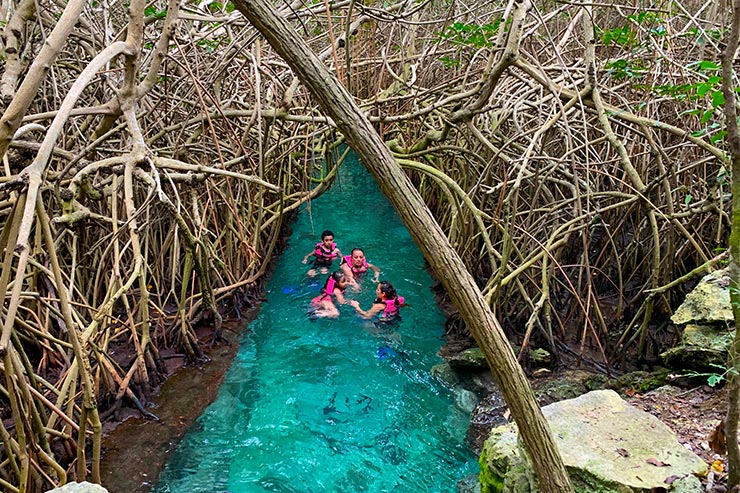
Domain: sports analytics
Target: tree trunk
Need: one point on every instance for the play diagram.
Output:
(733, 362)
(427, 234)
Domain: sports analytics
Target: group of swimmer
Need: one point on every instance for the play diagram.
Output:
(351, 269)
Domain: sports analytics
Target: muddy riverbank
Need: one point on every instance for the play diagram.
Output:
(136, 449)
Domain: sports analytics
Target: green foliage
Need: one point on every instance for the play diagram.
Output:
(702, 35)
(708, 90)
(621, 36)
(626, 69)
(713, 377)
(628, 38)
(449, 62)
(476, 35)
(151, 11)
(209, 45)
(214, 7)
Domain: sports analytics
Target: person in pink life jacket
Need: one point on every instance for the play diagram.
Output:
(324, 252)
(323, 305)
(386, 305)
(355, 265)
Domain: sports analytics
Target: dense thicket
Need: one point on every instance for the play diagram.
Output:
(573, 153)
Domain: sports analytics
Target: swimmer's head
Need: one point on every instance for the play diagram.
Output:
(358, 256)
(327, 238)
(387, 289)
(339, 277)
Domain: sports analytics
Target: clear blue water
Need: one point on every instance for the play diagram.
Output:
(333, 405)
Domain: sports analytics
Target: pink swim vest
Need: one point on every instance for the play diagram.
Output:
(325, 255)
(391, 307)
(327, 292)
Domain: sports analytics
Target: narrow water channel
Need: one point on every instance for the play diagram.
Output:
(333, 405)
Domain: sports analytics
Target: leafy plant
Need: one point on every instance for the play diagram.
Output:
(713, 378)
(477, 35)
(209, 45)
(152, 11)
(625, 69)
(449, 62)
(228, 7)
(701, 35)
(622, 36)
(707, 90)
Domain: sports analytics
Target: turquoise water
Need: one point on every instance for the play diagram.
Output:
(333, 405)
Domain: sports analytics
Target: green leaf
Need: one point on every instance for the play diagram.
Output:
(715, 79)
(718, 99)
(707, 65)
(692, 112)
(703, 88)
(714, 379)
(706, 116)
(687, 200)
(718, 136)
(152, 11)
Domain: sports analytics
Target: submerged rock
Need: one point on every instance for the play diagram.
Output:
(445, 374)
(607, 445)
(466, 400)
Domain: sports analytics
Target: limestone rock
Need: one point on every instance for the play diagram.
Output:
(470, 358)
(83, 487)
(540, 357)
(565, 385)
(702, 348)
(607, 445)
(707, 315)
(708, 302)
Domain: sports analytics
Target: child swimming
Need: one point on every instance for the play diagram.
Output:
(386, 305)
(323, 305)
(355, 265)
(324, 252)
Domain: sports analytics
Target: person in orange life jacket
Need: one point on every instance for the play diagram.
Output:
(386, 305)
(324, 252)
(355, 265)
(323, 305)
